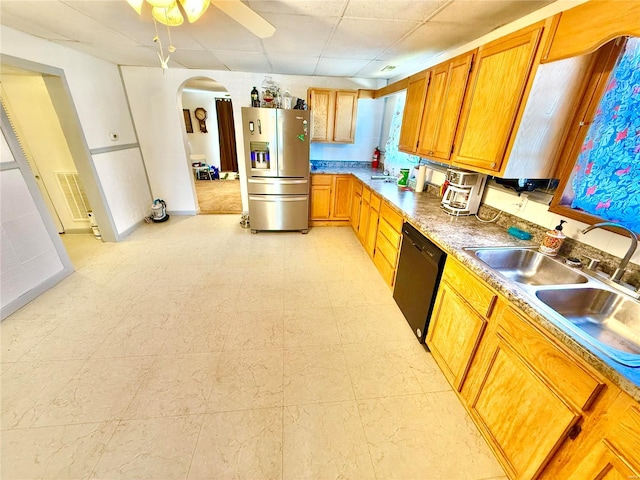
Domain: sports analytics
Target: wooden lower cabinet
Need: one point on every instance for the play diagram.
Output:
(364, 214)
(454, 334)
(372, 224)
(387, 243)
(330, 200)
(545, 412)
(356, 201)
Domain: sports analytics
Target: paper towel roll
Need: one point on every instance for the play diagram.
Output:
(420, 179)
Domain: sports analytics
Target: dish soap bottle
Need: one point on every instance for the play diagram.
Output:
(552, 241)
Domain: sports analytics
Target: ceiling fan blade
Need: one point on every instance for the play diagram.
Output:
(246, 17)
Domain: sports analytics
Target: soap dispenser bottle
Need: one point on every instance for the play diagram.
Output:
(552, 240)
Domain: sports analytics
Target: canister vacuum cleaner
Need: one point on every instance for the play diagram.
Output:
(159, 211)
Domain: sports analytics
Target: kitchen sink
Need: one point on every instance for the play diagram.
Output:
(607, 317)
(528, 266)
(577, 302)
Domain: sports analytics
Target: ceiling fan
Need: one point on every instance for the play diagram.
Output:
(170, 13)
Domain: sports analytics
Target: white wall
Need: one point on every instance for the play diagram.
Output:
(204, 143)
(28, 257)
(155, 99)
(101, 105)
(37, 125)
(368, 128)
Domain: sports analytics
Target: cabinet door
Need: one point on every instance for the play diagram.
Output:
(521, 404)
(341, 209)
(412, 114)
(448, 84)
(321, 104)
(364, 218)
(498, 83)
(372, 230)
(346, 107)
(454, 334)
(320, 197)
(356, 200)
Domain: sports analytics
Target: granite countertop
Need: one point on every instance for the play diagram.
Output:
(453, 234)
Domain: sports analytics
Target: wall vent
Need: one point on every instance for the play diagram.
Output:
(74, 194)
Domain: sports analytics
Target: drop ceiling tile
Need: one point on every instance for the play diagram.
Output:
(493, 13)
(247, 62)
(393, 9)
(27, 26)
(432, 38)
(373, 69)
(298, 34)
(200, 59)
(293, 64)
(339, 67)
(133, 56)
(365, 39)
(217, 31)
(318, 8)
(65, 21)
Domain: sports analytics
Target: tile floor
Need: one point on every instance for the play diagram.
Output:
(196, 350)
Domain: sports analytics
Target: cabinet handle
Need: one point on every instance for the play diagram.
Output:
(493, 164)
(574, 431)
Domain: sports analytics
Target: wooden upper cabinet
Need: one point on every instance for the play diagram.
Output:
(442, 107)
(334, 115)
(414, 104)
(345, 117)
(499, 79)
(585, 28)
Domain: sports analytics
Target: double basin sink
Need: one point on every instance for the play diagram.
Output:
(579, 304)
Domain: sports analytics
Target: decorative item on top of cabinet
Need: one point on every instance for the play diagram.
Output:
(442, 107)
(515, 112)
(334, 115)
(413, 106)
(330, 200)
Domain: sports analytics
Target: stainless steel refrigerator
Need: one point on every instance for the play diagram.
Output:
(276, 152)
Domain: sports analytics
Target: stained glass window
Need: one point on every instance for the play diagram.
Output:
(606, 178)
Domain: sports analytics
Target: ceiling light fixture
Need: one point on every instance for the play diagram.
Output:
(388, 68)
(172, 12)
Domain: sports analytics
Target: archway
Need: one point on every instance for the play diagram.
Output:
(210, 144)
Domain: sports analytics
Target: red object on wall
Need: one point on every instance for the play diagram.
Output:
(376, 158)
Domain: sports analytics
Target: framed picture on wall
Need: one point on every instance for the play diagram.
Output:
(187, 120)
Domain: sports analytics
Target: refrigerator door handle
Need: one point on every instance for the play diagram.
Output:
(280, 130)
(277, 181)
(278, 198)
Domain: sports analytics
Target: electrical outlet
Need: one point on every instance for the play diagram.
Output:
(524, 199)
(113, 136)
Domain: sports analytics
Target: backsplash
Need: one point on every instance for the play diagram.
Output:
(338, 164)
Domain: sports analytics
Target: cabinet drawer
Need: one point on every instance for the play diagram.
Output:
(393, 218)
(387, 231)
(387, 271)
(321, 179)
(366, 194)
(478, 295)
(375, 202)
(385, 247)
(570, 379)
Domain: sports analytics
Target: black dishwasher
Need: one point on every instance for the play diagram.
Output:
(419, 271)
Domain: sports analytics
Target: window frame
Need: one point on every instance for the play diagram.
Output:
(596, 83)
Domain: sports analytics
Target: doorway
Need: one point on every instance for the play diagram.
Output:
(209, 133)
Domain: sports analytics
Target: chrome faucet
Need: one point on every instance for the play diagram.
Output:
(617, 275)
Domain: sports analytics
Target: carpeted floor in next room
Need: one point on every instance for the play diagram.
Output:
(219, 196)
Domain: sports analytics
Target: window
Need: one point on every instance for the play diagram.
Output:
(603, 183)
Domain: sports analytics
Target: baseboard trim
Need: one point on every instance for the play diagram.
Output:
(179, 213)
(329, 223)
(35, 292)
(125, 233)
